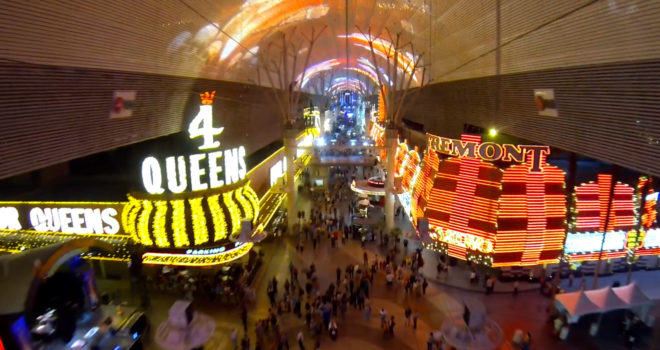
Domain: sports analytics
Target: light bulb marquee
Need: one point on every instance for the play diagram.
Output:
(517, 216)
(195, 208)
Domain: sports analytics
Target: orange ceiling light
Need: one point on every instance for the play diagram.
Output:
(383, 48)
(261, 16)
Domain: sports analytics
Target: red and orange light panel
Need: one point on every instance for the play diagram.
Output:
(591, 201)
(410, 169)
(591, 206)
(649, 239)
(464, 199)
(399, 158)
(382, 110)
(531, 220)
(424, 184)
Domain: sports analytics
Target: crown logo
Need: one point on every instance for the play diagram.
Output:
(207, 99)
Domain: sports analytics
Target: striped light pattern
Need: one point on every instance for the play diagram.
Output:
(464, 199)
(410, 170)
(186, 222)
(424, 184)
(591, 201)
(400, 158)
(531, 220)
(648, 242)
(382, 109)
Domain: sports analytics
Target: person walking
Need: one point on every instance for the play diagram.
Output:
(234, 338)
(301, 340)
(430, 342)
(527, 341)
(415, 317)
(515, 287)
(244, 317)
(245, 342)
(367, 311)
(425, 284)
(407, 313)
(383, 317)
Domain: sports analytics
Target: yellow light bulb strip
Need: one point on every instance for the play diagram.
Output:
(143, 223)
(128, 218)
(159, 230)
(196, 260)
(234, 212)
(200, 231)
(251, 196)
(219, 221)
(179, 234)
(247, 208)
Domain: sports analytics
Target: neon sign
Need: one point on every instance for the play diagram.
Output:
(489, 151)
(201, 171)
(461, 239)
(82, 218)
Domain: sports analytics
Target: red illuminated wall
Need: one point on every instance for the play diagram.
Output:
(531, 219)
(464, 198)
(410, 168)
(399, 158)
(591, 209)
(649, 216)
(424, 184)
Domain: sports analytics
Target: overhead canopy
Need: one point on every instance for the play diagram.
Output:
(605, 299)
(631, 294)
(576, 304)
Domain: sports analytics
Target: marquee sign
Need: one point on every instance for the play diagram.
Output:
(489, 151)
(198, 209)
(200, 171)
(83, 218)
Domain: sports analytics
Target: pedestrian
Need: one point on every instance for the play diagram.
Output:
(391, 326)
(383, 317)
(430, 342)
(301, 340)
(425, 284)
(367, 311)
(245, 342)
(571, 278)
(415, 318)
(527, 341)
(407, 313)
(244, 317)
(515, 287)
(234, 338)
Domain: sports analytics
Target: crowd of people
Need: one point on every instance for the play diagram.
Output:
(228, 284)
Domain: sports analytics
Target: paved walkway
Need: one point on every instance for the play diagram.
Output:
(444, 297)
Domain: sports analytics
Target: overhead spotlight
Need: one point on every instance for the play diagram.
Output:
(492, 132)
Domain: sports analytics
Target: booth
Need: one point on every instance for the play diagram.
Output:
(599, 301)
(53, 302)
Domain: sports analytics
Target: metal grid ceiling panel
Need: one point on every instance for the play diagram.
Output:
(609, 112)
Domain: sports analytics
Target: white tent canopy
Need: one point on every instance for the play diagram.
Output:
(631, 294)
(606, 299)
(576, 304)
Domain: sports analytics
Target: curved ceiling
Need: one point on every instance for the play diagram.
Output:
(225, 39)
(242, 35)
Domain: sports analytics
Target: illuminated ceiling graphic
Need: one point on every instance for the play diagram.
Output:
(236, 31)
